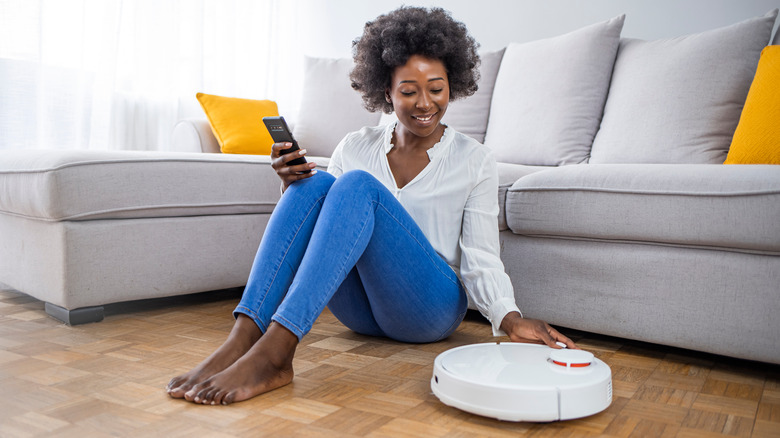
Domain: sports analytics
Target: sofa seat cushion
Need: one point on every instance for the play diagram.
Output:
(726, 207)
(507, 175)
(58, 185)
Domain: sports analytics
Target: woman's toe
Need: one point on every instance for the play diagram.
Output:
(191, 394)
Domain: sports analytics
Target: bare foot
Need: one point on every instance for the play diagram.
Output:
(265, 367)
(243, 336)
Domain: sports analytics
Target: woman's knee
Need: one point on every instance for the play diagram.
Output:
(356, 182)
(357, 179)
(317, 185)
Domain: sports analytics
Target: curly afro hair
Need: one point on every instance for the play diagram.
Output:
(389, 41)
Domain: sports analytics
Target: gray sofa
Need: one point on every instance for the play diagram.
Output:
(617, 216)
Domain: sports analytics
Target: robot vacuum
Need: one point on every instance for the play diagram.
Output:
(522, 382)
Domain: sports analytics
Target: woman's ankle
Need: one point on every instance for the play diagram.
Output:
(279, 344)
(244, 332)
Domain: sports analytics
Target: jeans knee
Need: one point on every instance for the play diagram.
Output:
(355, 183)
(318, 184)
(356, 179)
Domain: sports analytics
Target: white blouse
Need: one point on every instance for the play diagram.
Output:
(454, 200)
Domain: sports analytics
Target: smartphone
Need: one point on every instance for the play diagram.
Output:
(280, 133)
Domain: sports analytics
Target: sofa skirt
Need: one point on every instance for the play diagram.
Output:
(710, 300)
(75, 264)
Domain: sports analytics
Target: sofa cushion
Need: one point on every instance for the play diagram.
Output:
(678, 100)
(330, 108)
(507, 175)
(725, 207)
(60, 185)
(757, 138)
(550, 94)
(470, 115)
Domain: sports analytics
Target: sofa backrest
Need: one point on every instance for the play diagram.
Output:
(586, 96)
(330, 107)
(549, 96)
(679, 100)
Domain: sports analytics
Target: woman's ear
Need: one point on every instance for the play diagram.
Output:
(387, 96)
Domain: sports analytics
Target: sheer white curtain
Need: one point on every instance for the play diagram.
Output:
(113, 74)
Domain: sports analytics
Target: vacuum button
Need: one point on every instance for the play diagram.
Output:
(571, 358)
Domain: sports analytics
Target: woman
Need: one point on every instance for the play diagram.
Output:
(395, 238)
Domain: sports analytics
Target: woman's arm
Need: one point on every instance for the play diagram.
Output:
(482, 270)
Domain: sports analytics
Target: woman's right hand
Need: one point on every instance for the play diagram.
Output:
(290, 174)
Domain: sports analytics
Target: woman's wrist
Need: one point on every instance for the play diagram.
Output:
(509, 321)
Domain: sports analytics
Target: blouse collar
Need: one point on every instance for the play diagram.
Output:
(445, 140)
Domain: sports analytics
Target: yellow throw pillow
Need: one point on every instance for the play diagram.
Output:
(757, 138)
(238, 123)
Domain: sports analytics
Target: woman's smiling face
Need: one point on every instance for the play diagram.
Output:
(420, 93)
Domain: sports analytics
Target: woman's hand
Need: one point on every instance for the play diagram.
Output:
(290, 174)
(533, 331)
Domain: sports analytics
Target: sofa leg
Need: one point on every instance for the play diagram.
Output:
(82, 315)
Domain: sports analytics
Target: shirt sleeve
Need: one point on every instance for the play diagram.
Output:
(481, 268)
(335, 164)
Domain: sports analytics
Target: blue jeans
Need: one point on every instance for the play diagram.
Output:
(349, 244)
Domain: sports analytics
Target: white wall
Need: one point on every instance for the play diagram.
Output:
(327, 28)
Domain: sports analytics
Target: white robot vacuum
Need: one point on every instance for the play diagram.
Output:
(522, 382)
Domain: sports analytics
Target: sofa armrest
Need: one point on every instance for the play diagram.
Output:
(194, 135)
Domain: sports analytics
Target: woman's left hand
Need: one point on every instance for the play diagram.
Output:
(533, 331)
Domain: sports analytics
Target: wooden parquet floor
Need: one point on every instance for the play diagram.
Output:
(107, 379)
